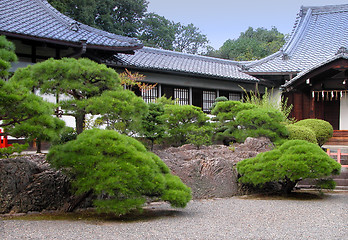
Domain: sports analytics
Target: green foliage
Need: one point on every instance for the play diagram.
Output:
(18, 148)
(119, 170)
(44, 128)
(269, 101)
(130, 18)
(157, 31)
(7, 55)
(225, 114)
(122, 17)
(180, 120)
(153, 123)
(251, 45)
(67, 134)
(219, 99)
(76, 79)
(291, 162)
(323, 130)
(326, 184)
(301, 133)
(166, 101)
(18, 104)
(236, 120)
(260, 122)
(120, 110)
(228, 110)
(201, 136)
(189, 39)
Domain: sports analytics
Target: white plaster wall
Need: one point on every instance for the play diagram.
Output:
(344, 113)
(276, 95)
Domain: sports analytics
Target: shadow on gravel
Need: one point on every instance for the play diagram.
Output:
(92, 216)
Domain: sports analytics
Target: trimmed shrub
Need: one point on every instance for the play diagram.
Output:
(228, 110)
(201, 136)
(226, 113)
(260, 122)
(291, 162)
(301, 133)
(180, 120)
(119, 170)
(322, 129)
(219, 99)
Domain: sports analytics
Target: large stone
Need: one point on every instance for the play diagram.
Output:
(28, 184)
(210, 171)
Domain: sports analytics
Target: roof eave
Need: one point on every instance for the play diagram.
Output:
(158, 70)
(72, 44)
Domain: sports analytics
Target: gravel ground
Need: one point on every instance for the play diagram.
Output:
(230, 218)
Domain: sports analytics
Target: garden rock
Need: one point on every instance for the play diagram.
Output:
(210, 171)
(27, 183)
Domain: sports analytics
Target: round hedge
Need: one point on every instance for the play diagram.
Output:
(322, 129)
(301, 133)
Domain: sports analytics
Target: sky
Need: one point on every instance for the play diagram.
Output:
(221, 20)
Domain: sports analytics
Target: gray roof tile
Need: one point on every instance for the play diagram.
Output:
(38, 19)
(164, 60)
(317, 35)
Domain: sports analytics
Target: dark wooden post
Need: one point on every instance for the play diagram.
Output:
(312, 107)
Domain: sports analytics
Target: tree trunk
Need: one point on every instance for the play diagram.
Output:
(38, 145)
(288, 186)
(75, 201)
(80, 121)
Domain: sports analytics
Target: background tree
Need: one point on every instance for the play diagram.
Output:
(157, 31)
(77, 80)
(153, 123)
(122, 17)
(130, 18)
(189, 39)
(118, 169)
(251, 44)
(7, 55)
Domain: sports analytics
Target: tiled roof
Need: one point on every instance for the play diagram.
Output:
(343, 55)
(317, 35)
(171, 61)
(37, 19)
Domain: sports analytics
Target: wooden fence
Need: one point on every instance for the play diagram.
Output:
(339, 155)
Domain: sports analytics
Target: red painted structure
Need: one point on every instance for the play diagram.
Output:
(3, 140)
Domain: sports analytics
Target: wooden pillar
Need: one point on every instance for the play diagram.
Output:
(190, 96)
(159, 90)
(312, 107)
(298, 110)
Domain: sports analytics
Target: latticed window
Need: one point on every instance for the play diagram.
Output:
(208, 100)
(150, 95)
(234, 96)
(182, 96)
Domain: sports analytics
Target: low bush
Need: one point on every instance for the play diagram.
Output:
(119, 170)
(15, 147)
(291, 162)
(260, 122)
(301, 133)
(201, 136)
(323, 130)
(180, 120)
